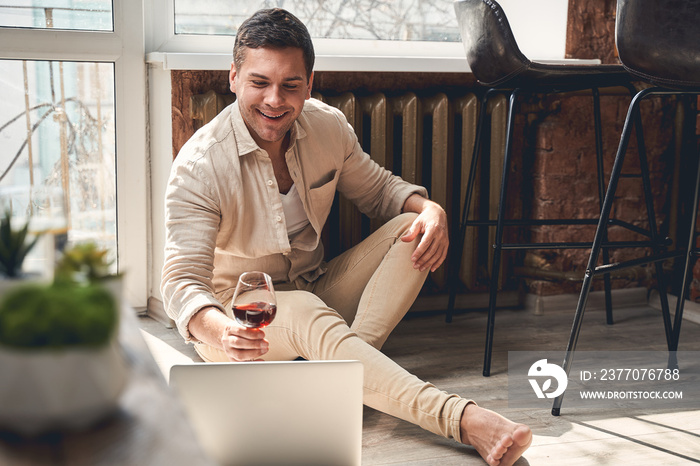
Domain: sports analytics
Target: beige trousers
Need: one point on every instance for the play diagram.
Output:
(348, 313)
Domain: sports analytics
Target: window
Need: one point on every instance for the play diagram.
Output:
(349, 35)
(88, 15)
(396, 20)
(73, 127)
(57, 166)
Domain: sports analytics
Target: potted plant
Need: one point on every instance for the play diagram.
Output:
(62, 366)
(14, 247)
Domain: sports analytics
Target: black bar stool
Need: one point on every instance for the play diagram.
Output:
(658, 42)
(499, 65)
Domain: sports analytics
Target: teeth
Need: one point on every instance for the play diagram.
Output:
(271, 116)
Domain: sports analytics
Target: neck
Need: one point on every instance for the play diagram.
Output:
(273, 147)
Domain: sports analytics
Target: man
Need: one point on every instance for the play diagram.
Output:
(252, 191)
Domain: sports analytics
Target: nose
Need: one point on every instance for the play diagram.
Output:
(274, 96)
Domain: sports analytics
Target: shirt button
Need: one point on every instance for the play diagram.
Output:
(270, 182)
(278, 218)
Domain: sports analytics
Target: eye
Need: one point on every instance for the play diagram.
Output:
(259, 83)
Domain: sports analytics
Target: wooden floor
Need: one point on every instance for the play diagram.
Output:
(450, 356)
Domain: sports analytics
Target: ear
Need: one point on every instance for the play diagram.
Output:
(232, 78)
(310, 85)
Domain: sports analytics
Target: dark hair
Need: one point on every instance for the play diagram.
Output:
(273, 28)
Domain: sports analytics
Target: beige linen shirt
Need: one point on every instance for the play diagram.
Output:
(223, 210)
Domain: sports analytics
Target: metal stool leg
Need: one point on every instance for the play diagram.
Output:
(689, 252)
(601, 194)
(500, 221)
(648, 197)
(598, 240)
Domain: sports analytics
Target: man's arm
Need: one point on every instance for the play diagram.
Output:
(192, 218)
(214, 328)
(431, 223)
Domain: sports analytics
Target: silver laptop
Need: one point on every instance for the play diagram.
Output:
(275, 413)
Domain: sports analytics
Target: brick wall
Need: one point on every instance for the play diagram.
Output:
(564, 172)
(562, 180)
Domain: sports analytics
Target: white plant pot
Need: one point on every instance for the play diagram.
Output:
(42, 390)
(7, 284)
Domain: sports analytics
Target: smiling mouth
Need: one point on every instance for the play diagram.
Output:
(271, 116)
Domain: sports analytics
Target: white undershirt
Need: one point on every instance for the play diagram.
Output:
(294, 211)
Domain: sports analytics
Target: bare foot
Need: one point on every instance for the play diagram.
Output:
(499, 441)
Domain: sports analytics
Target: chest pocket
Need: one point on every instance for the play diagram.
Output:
(321, 199)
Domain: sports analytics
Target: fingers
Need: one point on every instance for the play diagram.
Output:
(430, 260)
(244, 344)
(432, 250)
(411, 234)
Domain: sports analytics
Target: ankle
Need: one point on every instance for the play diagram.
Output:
(464, 422)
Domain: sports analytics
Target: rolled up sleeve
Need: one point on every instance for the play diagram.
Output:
(191, 223)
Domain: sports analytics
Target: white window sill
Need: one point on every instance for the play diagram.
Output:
(222, 61)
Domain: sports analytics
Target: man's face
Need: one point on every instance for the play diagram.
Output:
(271, 87)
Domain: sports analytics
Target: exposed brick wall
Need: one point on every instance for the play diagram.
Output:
(564, 171)
(590, 31)
(563, 178)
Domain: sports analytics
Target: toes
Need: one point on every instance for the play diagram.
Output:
(519, 441)
(501, 447)
(522, 435)
(506, 441)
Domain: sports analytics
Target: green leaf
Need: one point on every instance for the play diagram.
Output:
(13, 246)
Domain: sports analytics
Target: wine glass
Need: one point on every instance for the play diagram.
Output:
(254, 304)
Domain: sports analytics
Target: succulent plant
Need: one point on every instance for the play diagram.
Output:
(74, 310)
(14, 246)
(83, 262)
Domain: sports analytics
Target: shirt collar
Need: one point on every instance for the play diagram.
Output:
(245, 142)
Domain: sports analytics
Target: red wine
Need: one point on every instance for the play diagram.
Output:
(255, 315)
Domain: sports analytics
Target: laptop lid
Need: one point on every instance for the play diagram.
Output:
(275, 413)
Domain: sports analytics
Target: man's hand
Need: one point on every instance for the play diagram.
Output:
(214, 328)
(431, 223)
(243, 344)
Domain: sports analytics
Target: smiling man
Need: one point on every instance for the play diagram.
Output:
(252, 190)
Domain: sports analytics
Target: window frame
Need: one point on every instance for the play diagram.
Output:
(124, 48)
(210, 52)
